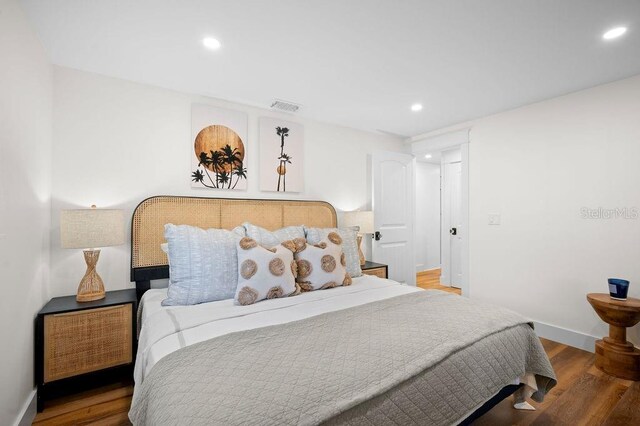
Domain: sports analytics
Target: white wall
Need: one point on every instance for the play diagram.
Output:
(25, 157)
(118, 142)
(427, 216)
(538, 166)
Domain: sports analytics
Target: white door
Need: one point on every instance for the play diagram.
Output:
(452, 224)
(393, 210)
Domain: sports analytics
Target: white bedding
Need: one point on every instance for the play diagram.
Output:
(167, 329)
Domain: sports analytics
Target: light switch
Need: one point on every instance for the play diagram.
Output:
(494, 219)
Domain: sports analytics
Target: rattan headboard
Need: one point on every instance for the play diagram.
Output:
(149, 262)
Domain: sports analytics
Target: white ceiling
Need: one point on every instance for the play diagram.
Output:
(434, 159)
(359, 63)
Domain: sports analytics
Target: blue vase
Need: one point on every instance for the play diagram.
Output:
(618, 288)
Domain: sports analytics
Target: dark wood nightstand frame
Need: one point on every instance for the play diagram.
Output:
(69, 385)
(372, 265)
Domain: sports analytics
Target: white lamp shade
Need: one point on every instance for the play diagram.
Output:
(362, 219)
(91, 228)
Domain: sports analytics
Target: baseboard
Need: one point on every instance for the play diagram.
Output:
(29, 410)
(565, 336)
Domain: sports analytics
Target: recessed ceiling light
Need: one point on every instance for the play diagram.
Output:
(211, 43)
(416, 107)
(428, 156)
(614, 33)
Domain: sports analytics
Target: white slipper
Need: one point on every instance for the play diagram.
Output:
(524, 406)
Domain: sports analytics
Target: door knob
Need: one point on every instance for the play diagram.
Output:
(453, 231)
(377, 236)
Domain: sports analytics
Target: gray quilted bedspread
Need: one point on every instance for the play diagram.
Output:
(422, 358)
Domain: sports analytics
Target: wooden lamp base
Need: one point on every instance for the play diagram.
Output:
(360, 253)
(91, 287)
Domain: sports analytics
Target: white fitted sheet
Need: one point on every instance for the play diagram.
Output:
(167, 329)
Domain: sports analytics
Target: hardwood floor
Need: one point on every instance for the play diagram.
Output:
(431, 280)
(583, 396)
(107, 405)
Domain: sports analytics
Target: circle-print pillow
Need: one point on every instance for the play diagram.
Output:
(264, 273)
(322, 265)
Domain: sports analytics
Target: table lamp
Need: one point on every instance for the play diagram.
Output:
(88, 229)
(363, 220)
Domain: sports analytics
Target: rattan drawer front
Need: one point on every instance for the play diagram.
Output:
(83, 341)
(378, 272)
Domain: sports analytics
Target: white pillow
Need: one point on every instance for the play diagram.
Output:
(264, 273)
(237, 230)
(349, 237)
(269, 239)
(203, 264)
(322, 266)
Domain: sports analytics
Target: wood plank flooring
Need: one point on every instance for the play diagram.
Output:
(583, 396)
(108, 405)
(430, 279)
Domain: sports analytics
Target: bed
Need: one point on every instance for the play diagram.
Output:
(375, 352)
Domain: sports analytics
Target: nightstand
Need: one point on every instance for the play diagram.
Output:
(614, 355)
(378, 269)
(80, 345)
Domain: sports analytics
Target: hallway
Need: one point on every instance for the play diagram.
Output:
(430, 280)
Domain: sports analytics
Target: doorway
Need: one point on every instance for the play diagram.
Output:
(428, 222)
(438, 220)
(393, 181)
(398, 218)
(442, 187)
(451, 232)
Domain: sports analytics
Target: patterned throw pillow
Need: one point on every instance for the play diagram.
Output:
(264, 273)
(269, 239)
(203, 264)
(322, 265)
(349, 245)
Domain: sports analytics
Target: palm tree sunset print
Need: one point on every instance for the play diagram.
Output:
(281, 155)
(283, 132)
(220, 153)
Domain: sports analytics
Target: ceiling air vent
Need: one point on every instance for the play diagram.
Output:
(285, 106)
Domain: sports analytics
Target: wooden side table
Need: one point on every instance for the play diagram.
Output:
(81, 345)
(378, 269)
(614, 355)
